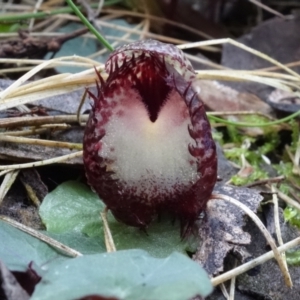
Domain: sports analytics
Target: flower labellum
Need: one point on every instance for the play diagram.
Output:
(148, 146)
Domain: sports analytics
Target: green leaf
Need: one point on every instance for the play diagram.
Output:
(79, 241)
(73, 207)
(292, 215)
(293, 257)
(130, 275)
(18, 249)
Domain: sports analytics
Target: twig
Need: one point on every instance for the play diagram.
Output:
(37, 121)
(34, 130)
(264, 231)
(265, 181)
(40, 142)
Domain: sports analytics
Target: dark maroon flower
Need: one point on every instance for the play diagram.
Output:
(148, 146)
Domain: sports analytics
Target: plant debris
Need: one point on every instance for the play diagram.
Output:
(221, 230)
(35, 48)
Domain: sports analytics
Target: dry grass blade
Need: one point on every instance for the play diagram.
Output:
(34, 130)
(232, 286)
(39, 142)
(253, 263)
(277, 223)
(238, 76)
(50, 241)
(109, 241)
(224, 291)
(267, 8)
(264, 231)
(7, 182)
(42, 162)
(242, 46)
(287, 199)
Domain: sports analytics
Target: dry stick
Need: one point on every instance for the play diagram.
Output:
(37, 121)
(35, 130)
(264, 231)
(39, 142)
(242, 46)
(42, 162)
(32, 195)
(109, 241)
(39, 61)
(23, 69)
(50, 241)
(265, 181)
(253, 263)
